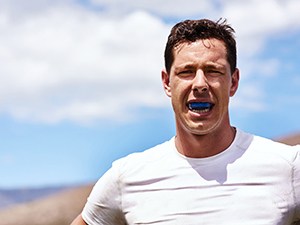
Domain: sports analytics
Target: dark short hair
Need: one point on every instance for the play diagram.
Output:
(193, 30)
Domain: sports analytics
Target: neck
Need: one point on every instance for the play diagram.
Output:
(201, 146)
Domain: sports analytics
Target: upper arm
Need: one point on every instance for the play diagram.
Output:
(296, 183)
(104, 203)
(79, 221)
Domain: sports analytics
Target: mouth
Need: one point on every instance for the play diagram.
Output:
(200, 107)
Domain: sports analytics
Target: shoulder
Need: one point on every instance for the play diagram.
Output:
(270, 148)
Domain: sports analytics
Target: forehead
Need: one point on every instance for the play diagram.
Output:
(207, 49)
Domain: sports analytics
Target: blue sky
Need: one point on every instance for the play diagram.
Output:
(80, 80)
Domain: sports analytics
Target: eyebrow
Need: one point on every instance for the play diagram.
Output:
(214, 65)
(186, 66)
(205, 65)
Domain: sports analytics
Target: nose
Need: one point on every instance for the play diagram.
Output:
(200, 83)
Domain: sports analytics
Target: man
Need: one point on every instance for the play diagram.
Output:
(210, 172)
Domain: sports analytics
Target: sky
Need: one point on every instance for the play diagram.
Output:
(80, 80)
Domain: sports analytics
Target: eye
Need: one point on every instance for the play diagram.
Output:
(214, 72)
(185, 72)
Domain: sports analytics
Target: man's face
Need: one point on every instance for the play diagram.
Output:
(200, 85)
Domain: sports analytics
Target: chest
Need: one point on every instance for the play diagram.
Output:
(212, 196)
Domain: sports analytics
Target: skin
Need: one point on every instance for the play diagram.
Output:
(200, 72)
(78, 221)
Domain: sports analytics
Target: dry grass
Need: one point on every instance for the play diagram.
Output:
(293, 139)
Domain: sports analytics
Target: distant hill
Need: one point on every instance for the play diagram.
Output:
(58, 209)
(62, 207)
(10, 197)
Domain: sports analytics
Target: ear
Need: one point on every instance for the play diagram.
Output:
(235, 77)
(165, 77)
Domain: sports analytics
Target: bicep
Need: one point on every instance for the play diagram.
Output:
(296, 183)
(104, 203)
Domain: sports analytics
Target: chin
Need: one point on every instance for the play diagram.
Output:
(200, 130)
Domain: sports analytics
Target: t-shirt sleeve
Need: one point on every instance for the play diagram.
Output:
(104, 203)
(296, 183)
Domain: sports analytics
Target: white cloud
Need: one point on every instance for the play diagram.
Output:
(60, 61)
(256, 20)
(74, 64)
(250, 99)
(166, 8)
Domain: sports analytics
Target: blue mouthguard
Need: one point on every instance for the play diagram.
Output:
(199, 105)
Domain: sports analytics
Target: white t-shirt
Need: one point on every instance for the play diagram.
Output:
(254, 182)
